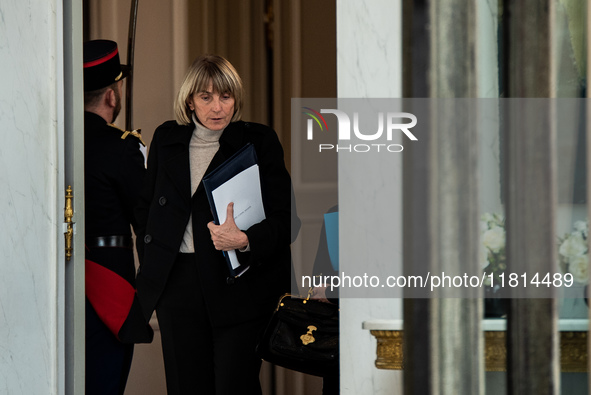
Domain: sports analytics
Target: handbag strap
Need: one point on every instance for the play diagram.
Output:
(289, 295)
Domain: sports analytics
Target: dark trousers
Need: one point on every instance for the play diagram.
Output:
(330, 385)
(107, 359)
(200, 358)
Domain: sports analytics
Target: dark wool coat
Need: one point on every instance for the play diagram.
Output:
(166, 204)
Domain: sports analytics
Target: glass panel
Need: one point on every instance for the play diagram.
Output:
(570, 64)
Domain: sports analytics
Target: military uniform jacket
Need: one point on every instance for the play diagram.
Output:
(166, 204)
(114, 170)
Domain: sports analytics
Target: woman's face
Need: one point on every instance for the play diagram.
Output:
(213, 110)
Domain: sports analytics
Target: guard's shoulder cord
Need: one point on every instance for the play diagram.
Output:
(134, 133)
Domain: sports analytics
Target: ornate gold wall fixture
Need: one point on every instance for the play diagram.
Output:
(573, 350)
(495, 351)
(389, 349)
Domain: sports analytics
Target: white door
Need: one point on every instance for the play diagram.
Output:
(73, 178)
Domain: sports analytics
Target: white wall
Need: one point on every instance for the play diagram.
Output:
(369, 65)
(29, 217)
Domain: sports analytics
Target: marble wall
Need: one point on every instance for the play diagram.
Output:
(369, 65)
(29, 53)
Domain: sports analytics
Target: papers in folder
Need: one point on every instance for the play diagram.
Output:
(236, 180)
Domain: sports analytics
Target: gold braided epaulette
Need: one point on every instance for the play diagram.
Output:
(134, 133)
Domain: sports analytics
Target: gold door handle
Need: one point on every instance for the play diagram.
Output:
(68, 215)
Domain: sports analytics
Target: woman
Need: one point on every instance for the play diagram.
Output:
(209, 322)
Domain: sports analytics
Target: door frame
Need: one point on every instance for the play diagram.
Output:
(71, 306)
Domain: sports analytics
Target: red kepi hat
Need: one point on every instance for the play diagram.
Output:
(101, 64)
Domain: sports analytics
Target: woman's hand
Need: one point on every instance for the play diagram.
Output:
(227, 236)
(320, 294)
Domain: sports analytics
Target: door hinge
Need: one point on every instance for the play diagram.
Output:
(68, 215)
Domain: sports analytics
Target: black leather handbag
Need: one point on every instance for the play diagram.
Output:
(303, 335)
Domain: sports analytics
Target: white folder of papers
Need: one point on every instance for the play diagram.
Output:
(244, 189)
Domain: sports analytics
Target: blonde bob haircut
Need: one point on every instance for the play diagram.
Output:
(208, 69)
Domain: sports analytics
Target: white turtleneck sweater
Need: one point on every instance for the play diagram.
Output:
(203, 146)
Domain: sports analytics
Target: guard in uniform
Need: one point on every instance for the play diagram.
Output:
(114, 171)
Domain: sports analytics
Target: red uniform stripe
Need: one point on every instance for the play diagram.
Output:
(101, 60)
(110, 295)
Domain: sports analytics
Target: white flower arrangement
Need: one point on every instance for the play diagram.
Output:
(573, 252)
(492, 246)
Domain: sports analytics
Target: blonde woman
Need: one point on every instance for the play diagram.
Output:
(210, 322)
